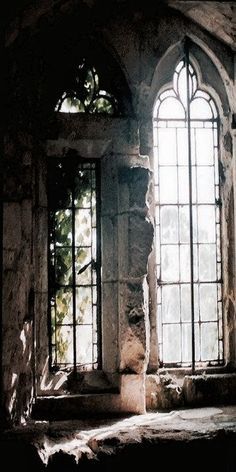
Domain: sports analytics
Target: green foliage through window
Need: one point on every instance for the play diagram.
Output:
(85, 95)
(74, 263)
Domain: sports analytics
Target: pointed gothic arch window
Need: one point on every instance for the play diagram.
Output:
(188, 244)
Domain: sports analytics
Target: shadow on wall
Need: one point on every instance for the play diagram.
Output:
(18, 396)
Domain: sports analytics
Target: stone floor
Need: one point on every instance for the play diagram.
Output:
(188, 439)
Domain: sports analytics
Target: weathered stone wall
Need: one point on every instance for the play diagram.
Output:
(42, 44)
(228, 246)
(18, 286)
(127, 236)
(136, 235)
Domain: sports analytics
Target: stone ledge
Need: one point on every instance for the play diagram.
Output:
(209, 389)
(168, 390)
(129, 399)
(181, 440)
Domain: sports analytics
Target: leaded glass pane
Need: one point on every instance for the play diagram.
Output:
(168, 185)
(83, 227)
(206, 224)
(183, 184)
(84, 94)
(182, 87)
(182, 146)
(172, 343)
(102, 105)
(167, 147)
(74, 270)
(205, 184)
(186, 302)
(207, 262)
(64, 306)
(208, 302)
(200, 109)
(63, 265)
(187, 343)
(204, 147)
(184, 224)
(64, 345)
(184, 263)
(84, 346)
(171, 107)
(84, 305)
(182, 191)
(83, 265)
(72, 105)
(209, 341)
(63, 227)
(170, 263)
(171, 304)
(169, 224)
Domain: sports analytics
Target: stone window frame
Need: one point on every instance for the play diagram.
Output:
(206, 66)
(56, 383)
(72, 284)
(120, 384)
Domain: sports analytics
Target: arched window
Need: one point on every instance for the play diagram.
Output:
(84, 94)
(74, 237)
(188, 246)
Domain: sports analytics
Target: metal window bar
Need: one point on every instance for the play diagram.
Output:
(190, 205)
(84, 94)
(68, 283)
(74, 280)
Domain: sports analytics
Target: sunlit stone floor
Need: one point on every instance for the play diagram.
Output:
(100, 444)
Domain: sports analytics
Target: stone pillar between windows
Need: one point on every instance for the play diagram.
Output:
(234, 187)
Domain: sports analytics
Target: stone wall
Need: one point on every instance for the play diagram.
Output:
(42, 43)
(18, 286)
(127, 236)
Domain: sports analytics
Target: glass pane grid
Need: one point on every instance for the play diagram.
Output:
(74, 269)
(173, 228)
(85, 95)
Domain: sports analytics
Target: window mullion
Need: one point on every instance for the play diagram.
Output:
(74, 279)
(98, 262)
(190, 207)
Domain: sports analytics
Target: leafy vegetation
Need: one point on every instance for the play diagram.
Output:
(71, 198)
(85, 95)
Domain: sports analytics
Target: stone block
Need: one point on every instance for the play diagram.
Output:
(133, 353)
(134, 338)
(110, 327)
(209, 389)
(109, 188)
(110, 253)
(41, 249)
(141, 234)
(86, 148)
(12, 225)
(123, 245)
(133, 187)
(133, 394)
(163, 391)
(130, 399)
